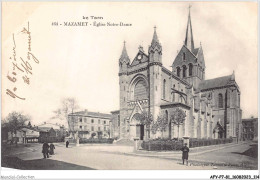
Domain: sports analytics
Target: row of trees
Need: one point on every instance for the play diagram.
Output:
(177, 118)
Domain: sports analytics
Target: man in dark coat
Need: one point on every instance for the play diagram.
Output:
(185, 153)
(52, 147)
(67, 144)
(45, 150)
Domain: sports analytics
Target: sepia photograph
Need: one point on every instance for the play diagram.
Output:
(130, 86)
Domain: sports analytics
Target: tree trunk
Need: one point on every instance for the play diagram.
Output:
(162, 134)
(178, 131)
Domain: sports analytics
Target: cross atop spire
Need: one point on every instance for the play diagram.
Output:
(189, 43)
(233, 76)
(189, 7)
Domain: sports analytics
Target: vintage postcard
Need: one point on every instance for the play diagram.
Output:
(129, 86)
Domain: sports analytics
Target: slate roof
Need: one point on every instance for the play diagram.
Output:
(92, 114)
(24, 128)
(44, 129)
(51, 125)
(250, 119)
(217, 82)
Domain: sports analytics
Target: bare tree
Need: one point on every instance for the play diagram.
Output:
(68, 106)
(14, 121)
(178, 118)
(146, 119)
(160, 125)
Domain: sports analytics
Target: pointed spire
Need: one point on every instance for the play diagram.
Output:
(124, 54)
(155, 45)
(155, 37)
(189, 43)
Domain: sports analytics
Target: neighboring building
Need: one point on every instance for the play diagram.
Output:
(89, 123)
(24, 135)
(212, 107)
(50, 135)
(31, 135)
(115, 124)
(50, 132)
(250, 129)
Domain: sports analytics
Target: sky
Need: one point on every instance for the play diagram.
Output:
(82, 62)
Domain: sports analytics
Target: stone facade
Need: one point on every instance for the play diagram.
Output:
(212, 107)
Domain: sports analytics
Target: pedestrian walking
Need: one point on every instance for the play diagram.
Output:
(185, 153)
(52, 147)
(45, 150)
(67, 144)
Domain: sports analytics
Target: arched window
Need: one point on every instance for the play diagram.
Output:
(184, 71)
(183, 56)
(178, 71)
(220, 100)
(140, 90)
(173, 97)
(190, 69)
(164, 88)
(118, 120)
(166, 115)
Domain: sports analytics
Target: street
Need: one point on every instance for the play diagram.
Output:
(119, 157)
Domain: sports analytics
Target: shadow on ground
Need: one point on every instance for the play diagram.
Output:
(251, 152)
(40, 164)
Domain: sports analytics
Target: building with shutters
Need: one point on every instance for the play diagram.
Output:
(212, 106)
(87, 123)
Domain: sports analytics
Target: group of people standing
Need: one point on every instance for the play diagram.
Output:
(47, 149)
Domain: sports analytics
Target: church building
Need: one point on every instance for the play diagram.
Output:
(211, 106)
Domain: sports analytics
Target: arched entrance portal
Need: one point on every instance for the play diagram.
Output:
(218, 131)
(136, 128)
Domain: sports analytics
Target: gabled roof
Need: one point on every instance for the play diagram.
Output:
(136, 61)
(216, 82)
(92, 114)
(189, 56)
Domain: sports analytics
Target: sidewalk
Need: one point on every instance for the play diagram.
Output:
(194, 155)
